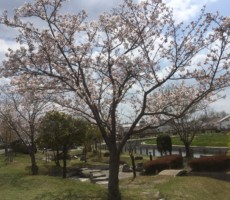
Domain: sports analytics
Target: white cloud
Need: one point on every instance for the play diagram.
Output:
(5, 45)
(222, 104)
(4, 81)
(186, 9)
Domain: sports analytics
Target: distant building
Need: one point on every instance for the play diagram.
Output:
(125, 128)
(224, 123)
(210, 125)
(167, 128)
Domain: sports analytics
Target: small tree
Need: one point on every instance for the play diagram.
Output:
(187, 127)
(91, 138)
(131, 146)
(48, 141)
(61, 131)
(21, 113)
(7, 136)
(188, 122)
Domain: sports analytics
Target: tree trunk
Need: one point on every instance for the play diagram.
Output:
(6, 150)
(85, 152)
(100, 149)
(96, 145)
(34, 167)
(113, 186)
(133, 165)
(187, 150)
(57, 159)
(65, 150)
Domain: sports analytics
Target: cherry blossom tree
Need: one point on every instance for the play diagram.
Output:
(187, 127)
(6, 137)
(114, 68)
(21, 114)
(186, 111)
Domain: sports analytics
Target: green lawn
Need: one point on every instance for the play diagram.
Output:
(17, 183)
(175, 188)
(194, 188)
(212, 139)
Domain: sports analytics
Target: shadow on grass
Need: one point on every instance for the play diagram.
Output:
(67, 195)
(51, 170)
(216, 175)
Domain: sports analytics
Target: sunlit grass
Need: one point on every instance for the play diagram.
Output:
(213, 139)
(193, 188)
(16, 182)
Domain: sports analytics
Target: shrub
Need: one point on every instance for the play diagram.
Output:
(155, 166)
(60, 156)
(165, 162)
(210, 163)
(19, 146)
(139, 167)
(164, 144)
(176, 161)
(138, 158)
(106, 154)
(2, 146)
(122, 162)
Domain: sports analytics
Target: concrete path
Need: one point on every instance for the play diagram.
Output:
(99, 176)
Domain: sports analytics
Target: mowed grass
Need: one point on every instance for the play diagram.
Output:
(176, 188)
(17, 183)
(194, 188)
(211, 139)
(45, 187)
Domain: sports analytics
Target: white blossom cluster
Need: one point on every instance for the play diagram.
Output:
(128, 56)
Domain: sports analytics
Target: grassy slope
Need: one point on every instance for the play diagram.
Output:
(218, 139)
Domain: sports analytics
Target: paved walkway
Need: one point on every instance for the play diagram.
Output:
(100, 176)
(2, 151)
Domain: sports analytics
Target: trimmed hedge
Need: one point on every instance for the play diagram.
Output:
(164, 144)
(210, 163)
(164, 162)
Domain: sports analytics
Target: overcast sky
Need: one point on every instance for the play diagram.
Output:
(184, 10)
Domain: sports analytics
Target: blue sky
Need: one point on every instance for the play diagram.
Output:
(184, 10)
